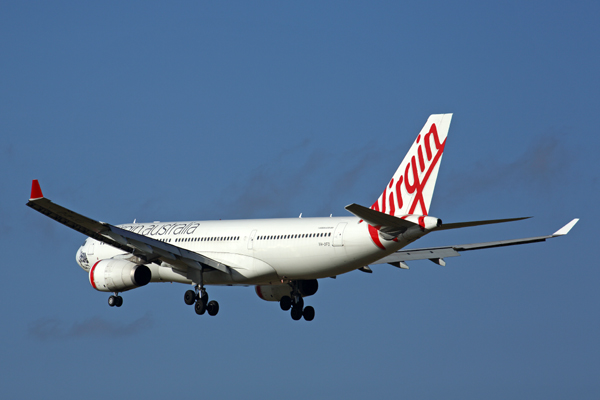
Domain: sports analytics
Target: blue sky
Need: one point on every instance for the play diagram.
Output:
(208, 110)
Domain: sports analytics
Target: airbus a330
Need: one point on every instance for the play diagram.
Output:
(284, 258)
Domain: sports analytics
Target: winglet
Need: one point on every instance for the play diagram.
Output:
(565, 229)
(36, 190)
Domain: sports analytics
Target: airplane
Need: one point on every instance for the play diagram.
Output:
(283, 258)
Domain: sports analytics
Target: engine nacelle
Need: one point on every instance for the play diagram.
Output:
(276, 292)
(118, 275)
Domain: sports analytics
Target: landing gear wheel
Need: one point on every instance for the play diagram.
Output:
(112, 301)
(204, 297)
(189, 297)
(119, 301)
(285, 303)
(296, 313)
(308, 313)
(200, 307)
(212, 308)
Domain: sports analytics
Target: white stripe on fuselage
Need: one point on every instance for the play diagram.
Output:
(290, 248)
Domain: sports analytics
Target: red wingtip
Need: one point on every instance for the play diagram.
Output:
(36, 190)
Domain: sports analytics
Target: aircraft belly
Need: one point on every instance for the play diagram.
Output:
(313, 263)
(245, 270)
(306, 264)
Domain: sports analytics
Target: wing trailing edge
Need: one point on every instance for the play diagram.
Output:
(437, 254)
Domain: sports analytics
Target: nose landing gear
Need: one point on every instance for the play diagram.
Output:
(115, 301)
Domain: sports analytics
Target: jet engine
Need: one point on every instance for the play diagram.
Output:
(118, 275)
(276, 292)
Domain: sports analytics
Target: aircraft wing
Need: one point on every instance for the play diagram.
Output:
(437, 254)
(141, 246)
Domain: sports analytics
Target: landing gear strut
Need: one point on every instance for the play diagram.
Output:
(200, 298)
(115, 301)
(296, 303)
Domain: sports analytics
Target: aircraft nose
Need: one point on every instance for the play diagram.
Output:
(81, 258)
(78, 256)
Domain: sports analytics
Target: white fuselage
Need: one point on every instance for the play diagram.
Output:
(266, 251)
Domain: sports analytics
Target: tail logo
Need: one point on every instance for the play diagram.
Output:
(409, 183)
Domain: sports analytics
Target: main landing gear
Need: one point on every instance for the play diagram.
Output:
(115, 301)
(296, 303)
(200, 298)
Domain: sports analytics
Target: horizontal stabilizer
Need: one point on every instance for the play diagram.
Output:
(456, 225)
(376, 218)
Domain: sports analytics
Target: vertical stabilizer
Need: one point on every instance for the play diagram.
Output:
(411, 188)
